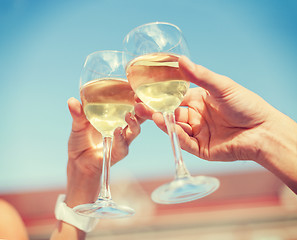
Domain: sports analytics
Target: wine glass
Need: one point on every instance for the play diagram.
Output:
(106, 98)
(151, 53)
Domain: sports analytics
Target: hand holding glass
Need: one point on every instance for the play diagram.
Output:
(106, 99)
(154, 75)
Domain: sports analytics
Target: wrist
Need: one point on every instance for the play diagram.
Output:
(279, 149)
(66, 214)
(81, 187)
(279, 137)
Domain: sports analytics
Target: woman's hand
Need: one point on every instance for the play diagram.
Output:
(85, 154)
(221, 120)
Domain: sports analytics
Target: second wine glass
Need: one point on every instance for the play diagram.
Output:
(106, 98)
(151, 59)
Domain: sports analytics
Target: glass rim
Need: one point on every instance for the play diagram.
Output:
(101, 51)
(152, 23)
(156, 23)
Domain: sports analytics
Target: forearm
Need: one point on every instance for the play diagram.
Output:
(80, 189)
(279, 150)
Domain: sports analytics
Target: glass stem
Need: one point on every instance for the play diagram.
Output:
(180, 168)
(105, 189)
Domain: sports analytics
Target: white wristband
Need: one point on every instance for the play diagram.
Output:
(66, 214)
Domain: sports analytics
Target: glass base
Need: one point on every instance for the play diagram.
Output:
(104, 209)
(185, 189)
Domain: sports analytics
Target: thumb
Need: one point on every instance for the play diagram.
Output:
(79, 119)
(214, 83)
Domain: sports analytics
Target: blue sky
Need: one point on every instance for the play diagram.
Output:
(43, 45)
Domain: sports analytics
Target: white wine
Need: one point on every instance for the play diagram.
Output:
(157, 81)
(107, 117)
(106, 102)
(163, 96)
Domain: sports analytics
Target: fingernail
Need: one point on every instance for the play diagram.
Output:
(131, 116)
(187, 62)
(119, 130)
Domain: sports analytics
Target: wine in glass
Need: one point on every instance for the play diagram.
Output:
(106, 98)
(151, 54)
